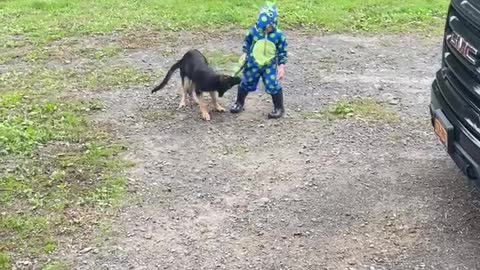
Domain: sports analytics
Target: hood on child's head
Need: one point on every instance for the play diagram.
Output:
(267, 16)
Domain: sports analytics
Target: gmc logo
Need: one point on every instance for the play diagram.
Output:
(463, 47)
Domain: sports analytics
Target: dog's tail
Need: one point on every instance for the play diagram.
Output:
(168, 76)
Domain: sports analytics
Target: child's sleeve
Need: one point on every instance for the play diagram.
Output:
(247, 42)
(282, 49)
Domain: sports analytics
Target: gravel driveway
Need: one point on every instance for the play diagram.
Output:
(244, 192)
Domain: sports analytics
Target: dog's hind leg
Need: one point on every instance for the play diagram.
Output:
(190, 91)
(217, 106)
(182, 100)
(185, 85)
(195, 99)
(203, 106)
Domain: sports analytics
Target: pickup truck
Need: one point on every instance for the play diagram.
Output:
(455, 92)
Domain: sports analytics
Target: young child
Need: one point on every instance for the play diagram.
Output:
(265, 53)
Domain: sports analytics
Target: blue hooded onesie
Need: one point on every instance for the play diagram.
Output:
(264, 52)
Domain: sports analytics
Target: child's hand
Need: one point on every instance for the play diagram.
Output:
(243, 57)
(280, 72)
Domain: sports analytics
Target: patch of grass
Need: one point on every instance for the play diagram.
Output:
(237, 151)
(40, 80)
(223, 60)
(4, 261)
(100, 53)
(366, 109)
(104, 232)
(395, 137)
(27, 233)
(313, 115)
(343, 109)
(36, 55)
(13, 43)
(28, 55)
(57, 172)
(55, 266)
(76, 171)
(8, 56)
(63, 52)
(26, 122)
(24, 225)
(106, 79)
(49, 247)
(42, 21)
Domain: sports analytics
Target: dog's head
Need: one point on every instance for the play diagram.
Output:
(226, 83)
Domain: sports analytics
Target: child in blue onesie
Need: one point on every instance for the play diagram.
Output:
(265, 53)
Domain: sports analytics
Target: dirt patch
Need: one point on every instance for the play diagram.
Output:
(243, 192)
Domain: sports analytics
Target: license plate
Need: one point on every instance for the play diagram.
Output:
(440, 131)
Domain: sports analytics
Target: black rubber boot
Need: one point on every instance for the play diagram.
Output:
(278, 109)
(238, 105)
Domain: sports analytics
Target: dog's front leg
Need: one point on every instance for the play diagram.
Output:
(191, 96)
(217, 106)
(183, 101)
(203, 107)
(195, 99)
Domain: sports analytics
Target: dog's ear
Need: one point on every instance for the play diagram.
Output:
(223, 81)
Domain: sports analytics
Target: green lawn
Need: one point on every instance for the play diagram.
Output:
(58, 172)
(45, 20)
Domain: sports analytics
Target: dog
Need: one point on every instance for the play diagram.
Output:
(196, 74)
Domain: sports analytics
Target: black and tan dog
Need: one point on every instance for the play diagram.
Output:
(197, 75)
